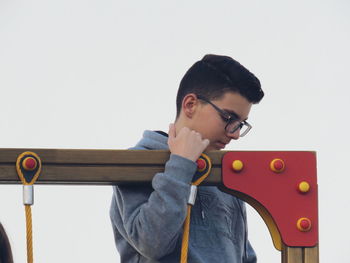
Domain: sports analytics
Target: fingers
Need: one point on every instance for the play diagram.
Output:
(172, 131)
(186, 143)
(205, 143)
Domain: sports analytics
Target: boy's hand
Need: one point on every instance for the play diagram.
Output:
(187, 143)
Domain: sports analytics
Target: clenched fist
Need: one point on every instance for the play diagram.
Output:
(187, 143)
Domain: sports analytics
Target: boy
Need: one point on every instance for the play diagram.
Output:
(213, 104)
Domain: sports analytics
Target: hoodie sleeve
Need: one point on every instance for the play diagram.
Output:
(249, 253)
(250, 256)
(151, 219)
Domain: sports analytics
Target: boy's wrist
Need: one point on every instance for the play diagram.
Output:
(182, 157)
(181, 167)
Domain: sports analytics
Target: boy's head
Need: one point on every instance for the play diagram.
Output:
(215, 75)
(212, 85)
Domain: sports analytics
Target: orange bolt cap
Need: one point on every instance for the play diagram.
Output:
(29, 163)
(237, 165)
(277, 165)
(304, 187)
(201, 165)
(304, 224)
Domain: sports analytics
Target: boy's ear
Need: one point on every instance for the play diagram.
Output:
(189, 104)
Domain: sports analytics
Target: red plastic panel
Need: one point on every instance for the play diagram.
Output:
(278, 191)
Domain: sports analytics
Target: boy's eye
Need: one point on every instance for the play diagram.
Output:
(230, 118)
(225, 119)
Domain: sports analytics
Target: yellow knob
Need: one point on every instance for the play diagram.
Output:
(237, 165)
(304, 187)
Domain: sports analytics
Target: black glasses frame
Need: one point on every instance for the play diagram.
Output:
(229, 118)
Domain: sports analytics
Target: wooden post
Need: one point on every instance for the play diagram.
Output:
(311, 255)
(292, 255)
(300, 254)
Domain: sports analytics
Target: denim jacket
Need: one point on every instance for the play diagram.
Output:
(148, 221)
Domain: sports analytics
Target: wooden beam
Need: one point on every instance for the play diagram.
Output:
(97, 167)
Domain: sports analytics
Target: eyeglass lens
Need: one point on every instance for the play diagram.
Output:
(234, 126)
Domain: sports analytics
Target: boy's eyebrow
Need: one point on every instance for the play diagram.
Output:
(232, 113)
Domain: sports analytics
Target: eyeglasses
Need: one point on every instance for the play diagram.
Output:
(232, 120)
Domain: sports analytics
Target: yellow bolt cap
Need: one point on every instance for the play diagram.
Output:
(237, 165)
(304, 187)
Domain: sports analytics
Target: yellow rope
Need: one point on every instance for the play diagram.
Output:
(186, 231)
(29, 233)
(186, 236)
(28, 175)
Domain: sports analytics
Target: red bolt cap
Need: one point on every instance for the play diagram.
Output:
(277, 165)
(201, 164)
(29, 163)
(304, 224)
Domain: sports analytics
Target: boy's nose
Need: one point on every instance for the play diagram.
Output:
(235, 135)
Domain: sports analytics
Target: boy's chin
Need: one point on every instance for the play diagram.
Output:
(213, 148)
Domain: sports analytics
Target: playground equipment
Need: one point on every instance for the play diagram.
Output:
(280, 185)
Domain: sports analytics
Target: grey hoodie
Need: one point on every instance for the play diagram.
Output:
(148, 220)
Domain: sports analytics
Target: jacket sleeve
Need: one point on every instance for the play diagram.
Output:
(151, 219)
(250, 253)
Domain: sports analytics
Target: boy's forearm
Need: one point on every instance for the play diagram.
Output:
(153, 223)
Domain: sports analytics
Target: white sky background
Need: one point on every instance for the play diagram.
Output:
(95, 74)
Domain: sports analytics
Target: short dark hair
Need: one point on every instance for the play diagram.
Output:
(215, 75)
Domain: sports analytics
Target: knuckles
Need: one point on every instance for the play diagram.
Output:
(186, 136)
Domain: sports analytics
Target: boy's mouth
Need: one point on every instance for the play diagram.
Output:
(220, 145)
